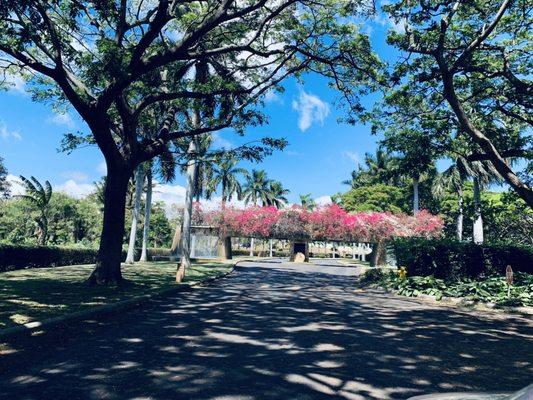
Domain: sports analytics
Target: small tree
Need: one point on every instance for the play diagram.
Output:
(38, 196)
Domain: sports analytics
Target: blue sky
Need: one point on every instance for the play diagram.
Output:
(321, 153)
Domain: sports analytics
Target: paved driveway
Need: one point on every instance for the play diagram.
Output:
(274, 331)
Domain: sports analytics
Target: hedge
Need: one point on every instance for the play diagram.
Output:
(453, 260)
(14, 257)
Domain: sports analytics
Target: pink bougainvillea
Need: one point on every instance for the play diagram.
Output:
(324, 223)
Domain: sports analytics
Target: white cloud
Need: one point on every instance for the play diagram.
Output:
(311, 109)
(15, 83)
(7, 134)
(62, 119)
(101, 168)
(219, 142)
(76, 176)
(15, 185)
(272, 96)
(352, 156)
(75, 189)
(323, 200)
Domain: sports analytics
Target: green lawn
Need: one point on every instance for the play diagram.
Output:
(35, 294)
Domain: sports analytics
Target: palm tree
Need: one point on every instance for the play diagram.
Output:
(257, 188)
(39, 196)
(277, 194)
(484, 174)
(380, 167)
(225, 174)
(307, 202)
(453, 178)
(139, 181)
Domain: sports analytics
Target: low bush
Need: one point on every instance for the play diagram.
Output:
(493, 289)
(454, 260)
(19, 257)
(13, 257)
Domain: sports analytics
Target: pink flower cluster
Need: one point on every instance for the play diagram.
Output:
(324, 223)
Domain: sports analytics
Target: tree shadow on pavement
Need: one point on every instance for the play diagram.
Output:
(273, 333)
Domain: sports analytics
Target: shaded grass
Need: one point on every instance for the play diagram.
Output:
(36, 294)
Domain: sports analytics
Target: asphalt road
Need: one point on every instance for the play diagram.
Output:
(273, 331)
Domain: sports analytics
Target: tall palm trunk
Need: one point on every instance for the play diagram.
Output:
(147, 212)
(478, 219)
(460, 216)
(139, 179)
(192, 170)
(416, 201)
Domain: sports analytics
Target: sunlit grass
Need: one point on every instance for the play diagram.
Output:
(36, 294)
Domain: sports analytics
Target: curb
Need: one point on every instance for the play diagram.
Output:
(107, 309)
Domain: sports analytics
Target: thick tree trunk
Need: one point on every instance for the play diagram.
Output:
(480, 139)
(416, 201)
(139, 180)
(459, 227)
(225, 248)
(378, 256)
(478, 218)
(192, 170)
(147, 213)
(107, 269)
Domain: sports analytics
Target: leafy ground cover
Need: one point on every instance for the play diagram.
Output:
(489, 290)
(36, 294)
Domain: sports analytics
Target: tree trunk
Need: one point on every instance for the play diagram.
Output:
(147, 212)
(225, 248)
(176, 241)
(480, 139)
(107, 269)
(139, 180)
(251, 247)
(459, 228)
(192, 170)
(416, 201)
(478, 218)
(378, 256)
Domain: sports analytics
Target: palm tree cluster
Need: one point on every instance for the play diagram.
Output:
(258, 188)
(387, 168)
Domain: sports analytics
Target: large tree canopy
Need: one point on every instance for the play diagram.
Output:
(123, 64)
(465, 75)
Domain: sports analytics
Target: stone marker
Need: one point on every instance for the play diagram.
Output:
(299, 258)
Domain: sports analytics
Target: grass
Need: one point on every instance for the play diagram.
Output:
(36, 294)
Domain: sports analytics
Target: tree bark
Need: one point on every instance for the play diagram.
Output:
(459, 227)
(192, 170)
(416, 201)
(139, 180)
(479, 138)
(107, 269)
(478, 218)
(147, 213)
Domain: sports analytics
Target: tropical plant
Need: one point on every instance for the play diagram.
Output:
(257, 188)
(453, 178)
(225, 175)
(38, 196)
(307, 202)
(277, 194)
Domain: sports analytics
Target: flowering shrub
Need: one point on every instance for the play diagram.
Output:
(324, 223)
